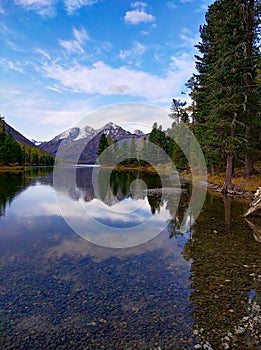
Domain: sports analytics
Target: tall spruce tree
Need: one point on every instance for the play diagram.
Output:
(103, 144)
(251, 12)
(158, 137)
(225, 89)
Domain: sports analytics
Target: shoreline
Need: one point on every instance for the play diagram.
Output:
(13, 168)
(242, 187)
(163, 168)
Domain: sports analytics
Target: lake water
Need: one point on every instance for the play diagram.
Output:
(176, 290)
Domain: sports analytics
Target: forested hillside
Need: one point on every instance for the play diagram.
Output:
(16, 152)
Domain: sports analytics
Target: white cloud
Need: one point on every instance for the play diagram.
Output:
(182, 63)
(139, 4)
(189, 40)
(73, 5)
(42, 7)
(102, 79)
(2, 10)
(171, 5)
(10, 65)
(130, 116)
(76, 44)
(138, 16)
(43, 53)
(203, 7)
(125, 54)
(36, 109)
(137, 50)
(65, 117)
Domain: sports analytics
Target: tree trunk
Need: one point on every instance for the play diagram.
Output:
(212, 172)
(227, 187)
(227, 207)
(229, 172)
(249, 165)
(249, 23)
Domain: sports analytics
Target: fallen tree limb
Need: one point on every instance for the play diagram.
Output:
(255, 207)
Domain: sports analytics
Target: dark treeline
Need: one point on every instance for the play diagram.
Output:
(12, 152)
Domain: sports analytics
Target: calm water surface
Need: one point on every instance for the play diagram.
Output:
(176, 291)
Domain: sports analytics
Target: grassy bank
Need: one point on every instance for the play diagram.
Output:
(239, 182)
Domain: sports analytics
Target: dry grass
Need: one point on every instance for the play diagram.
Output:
(249, 185)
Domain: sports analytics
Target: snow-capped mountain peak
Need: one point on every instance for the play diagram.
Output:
(69, 134)
(36, 143)
(85, 135)
(84, 132)
(138, 132)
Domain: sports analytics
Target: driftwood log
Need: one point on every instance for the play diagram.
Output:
(255, 207)
(256, 230)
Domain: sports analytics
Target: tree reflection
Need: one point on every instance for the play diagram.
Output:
(12, 184)
(120, 188)
(226, 264)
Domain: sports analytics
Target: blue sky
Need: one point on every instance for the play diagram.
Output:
(62, 59)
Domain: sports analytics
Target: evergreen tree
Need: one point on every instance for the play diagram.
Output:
(35, 158)
(178, 112)
(133, 152)
(2, 146)
(116, 152)
(225, 89)
(251, 12)
(10, 150)
(142, 151)
(124, 152)
(103, 144)
(158, 137)
(177, 155)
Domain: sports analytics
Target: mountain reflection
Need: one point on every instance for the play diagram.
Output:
(77, 184)
(80, 184)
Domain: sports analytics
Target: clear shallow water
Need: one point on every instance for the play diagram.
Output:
(59, 291)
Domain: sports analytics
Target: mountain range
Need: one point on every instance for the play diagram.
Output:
(74, 141)
(85, 141)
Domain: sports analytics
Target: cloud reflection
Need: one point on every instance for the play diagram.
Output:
(109, 226)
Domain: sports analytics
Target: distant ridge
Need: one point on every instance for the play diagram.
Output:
(85, 140)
